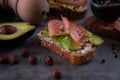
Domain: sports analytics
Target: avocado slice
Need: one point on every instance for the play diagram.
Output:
(96, 40)
(46, 33)
(53, 3)
(58, 39)
(13, 33)
(70, 44)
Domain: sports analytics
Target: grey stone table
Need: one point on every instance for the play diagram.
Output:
(94, 70)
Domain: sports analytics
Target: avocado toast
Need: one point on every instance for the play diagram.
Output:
(69, 40)
(72, 9)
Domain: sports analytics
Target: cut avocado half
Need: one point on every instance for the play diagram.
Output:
(13, 33)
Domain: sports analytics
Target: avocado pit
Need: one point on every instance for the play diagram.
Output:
(7, 29)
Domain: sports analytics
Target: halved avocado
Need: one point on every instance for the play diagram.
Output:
(13, 33)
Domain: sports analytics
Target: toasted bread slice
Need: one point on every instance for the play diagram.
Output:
(74, 57)
(73, 14)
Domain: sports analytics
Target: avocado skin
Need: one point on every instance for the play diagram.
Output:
(15, 42)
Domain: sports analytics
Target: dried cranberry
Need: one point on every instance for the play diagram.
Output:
(25, 53)
(49, 60)
(103, 61)
(56, 74)
(14, 59)
(3, 59)
(32, 60)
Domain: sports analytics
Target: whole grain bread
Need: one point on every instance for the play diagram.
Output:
(71, 56)
(72, 15)
(109, 30)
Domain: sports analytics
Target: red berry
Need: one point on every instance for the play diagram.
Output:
(56, 74)
(14, 59)
(3, 59)
(25, 53)
(103, 61)
(48, 60)
(32, 60)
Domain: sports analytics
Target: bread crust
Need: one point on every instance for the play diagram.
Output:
(72, 15)
(103, 28)
(72, 57)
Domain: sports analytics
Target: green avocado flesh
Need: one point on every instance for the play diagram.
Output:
(46, 33)
(52, 3)
(22, 28)
(96, 40)
(69, 44)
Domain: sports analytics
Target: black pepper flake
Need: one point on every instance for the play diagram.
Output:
(115, 56)
(79, 34)
(113, 48)
(42, 33)
(62, 30)
(113, 45)
(114, 51)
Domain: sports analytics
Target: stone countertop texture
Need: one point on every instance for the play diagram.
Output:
(95, 70)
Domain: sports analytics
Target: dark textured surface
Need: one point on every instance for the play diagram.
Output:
(95, 70)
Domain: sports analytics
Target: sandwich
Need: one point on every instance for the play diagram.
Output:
(72, 9)
(69, 40)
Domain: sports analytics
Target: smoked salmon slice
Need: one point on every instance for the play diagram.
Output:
(57, 28)
(66, 27)
(78, 33)
(66, 23)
